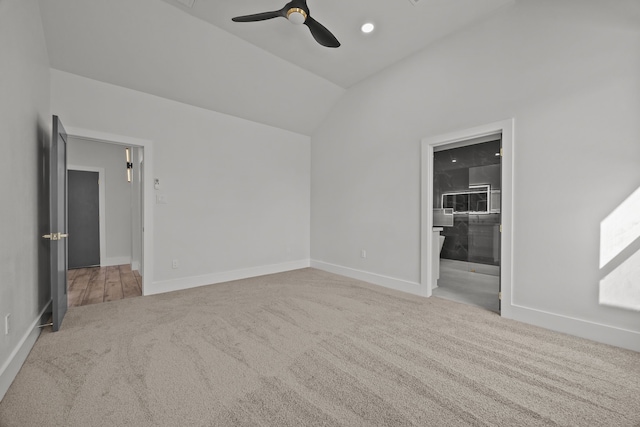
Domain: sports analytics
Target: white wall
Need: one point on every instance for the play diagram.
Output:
(118, 193)
(569, 73)
(237, 191)
(25, 127)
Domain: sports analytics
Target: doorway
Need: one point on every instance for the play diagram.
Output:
(84, 218)
(141, 204)
(466, 206)
(473, 198)
(104, 221)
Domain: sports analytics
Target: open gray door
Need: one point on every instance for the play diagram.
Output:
(58, 221)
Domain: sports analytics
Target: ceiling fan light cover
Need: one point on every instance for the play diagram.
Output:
(295, 15)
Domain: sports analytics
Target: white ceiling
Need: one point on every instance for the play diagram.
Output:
(402, 28)
(270, 72)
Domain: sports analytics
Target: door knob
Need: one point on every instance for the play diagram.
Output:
(55, 236)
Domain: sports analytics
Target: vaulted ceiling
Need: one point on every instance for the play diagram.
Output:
(271, 72)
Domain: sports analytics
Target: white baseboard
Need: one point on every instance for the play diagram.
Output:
(225, 276)
(117, 260)
(581, 328)
(365, 276)
(578, 327)
(16, 359)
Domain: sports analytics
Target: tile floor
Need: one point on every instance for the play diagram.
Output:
(469, 283)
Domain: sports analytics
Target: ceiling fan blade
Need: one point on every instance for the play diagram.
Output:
(259, 16)
(321, 34)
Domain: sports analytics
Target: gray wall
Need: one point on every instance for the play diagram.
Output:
(25, 126)
(118, 193)
(569, 73)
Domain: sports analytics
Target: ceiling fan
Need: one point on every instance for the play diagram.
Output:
(297, 12)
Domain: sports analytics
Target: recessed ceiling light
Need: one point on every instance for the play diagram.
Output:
(453, 161)
(497, 154)
(367, 28)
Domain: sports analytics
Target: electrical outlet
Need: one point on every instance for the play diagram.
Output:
(363, 254)
(175, 264)
(6, 324)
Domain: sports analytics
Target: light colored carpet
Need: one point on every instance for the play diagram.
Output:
(309, 348)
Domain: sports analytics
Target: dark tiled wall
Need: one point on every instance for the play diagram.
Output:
(473, 237)
(448, 181)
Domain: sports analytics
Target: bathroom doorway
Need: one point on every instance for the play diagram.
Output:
(474, 198)
(467, 214)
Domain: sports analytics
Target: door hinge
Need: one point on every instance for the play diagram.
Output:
(500, 296)
(501, 152)
(501, 228)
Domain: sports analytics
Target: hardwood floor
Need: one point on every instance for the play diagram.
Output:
(100, 284)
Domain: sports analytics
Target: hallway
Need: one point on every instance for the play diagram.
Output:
(94, 285)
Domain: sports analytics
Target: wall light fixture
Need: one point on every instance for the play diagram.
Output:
(129, 164)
